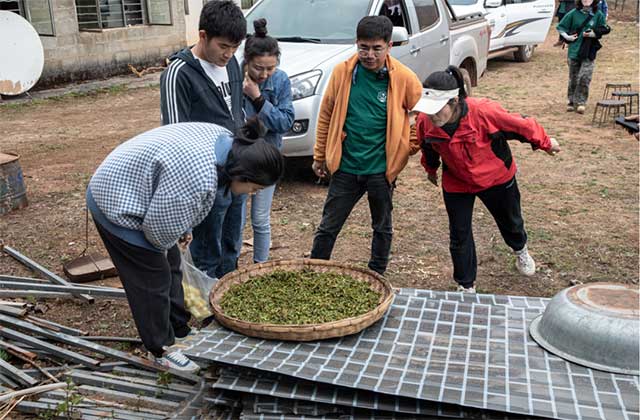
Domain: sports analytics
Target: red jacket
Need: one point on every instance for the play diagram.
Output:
(478, 156)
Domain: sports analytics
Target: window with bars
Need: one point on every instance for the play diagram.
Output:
(38, 12)
(105, 14)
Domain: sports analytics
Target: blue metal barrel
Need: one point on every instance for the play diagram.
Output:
(13, 194)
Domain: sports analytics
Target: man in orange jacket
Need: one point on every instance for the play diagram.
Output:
(364, 139)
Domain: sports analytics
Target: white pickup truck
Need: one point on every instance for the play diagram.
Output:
(316, 35)
(517, 26)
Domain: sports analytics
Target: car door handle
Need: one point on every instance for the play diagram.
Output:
(444, 39)
(414, 50)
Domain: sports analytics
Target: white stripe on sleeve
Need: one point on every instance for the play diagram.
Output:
(172, 101)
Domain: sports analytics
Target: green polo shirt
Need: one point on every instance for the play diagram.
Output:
(573, 21)
(363, 150)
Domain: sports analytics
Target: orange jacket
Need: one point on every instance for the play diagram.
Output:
(404, 91)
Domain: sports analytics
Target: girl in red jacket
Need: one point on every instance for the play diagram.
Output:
(470, 136)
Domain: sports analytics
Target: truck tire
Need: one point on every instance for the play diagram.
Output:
(467, 80)
(524, 53)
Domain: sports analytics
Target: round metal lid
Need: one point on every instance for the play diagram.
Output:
(7, 158)
(21, 52)
(595, 325)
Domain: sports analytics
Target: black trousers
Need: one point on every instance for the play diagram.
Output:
(153, 284)
(503, 202)
(345, 190)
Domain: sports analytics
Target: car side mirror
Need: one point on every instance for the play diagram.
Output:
(399, 36)
(493, 3)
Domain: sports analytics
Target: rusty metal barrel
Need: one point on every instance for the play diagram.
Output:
(13, 193)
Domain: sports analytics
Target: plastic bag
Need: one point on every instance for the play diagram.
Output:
(196, 286)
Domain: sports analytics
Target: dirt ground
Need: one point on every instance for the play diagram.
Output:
(580, 207)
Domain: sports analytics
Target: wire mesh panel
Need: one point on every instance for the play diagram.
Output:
(465, 353)
(319, 396)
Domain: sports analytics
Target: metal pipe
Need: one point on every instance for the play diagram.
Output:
(111, 293)
(40, 269)
(104, 350)
(50, 348)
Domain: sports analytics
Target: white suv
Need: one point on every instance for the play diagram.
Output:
(517, 26)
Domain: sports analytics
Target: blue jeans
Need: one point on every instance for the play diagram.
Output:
(261, 222)
(218, 238)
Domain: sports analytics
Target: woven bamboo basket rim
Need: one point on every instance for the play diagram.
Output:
(302, 332)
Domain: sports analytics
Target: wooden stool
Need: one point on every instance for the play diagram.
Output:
(618, 87)
(606, 107)
(628, 97)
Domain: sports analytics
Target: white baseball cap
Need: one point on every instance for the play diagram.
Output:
(433, 100)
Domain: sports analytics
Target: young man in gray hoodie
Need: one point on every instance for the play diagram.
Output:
(203, 83)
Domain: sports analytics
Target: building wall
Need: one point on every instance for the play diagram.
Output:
(193, 19)
(76, 55)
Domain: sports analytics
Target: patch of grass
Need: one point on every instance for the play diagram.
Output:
(498, 246)
(537, 186)
(116, 88)
(68, 408)
(51, 147)
(22, 105)
(364, 233)
(164, 378)
(81, 179)
(112, 90)
(303, 226)
(123, 346)
(539, 235)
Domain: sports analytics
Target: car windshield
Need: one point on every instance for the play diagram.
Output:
(318, 21)
(463, 2)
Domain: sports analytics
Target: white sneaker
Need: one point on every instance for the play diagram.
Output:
(463, 289)
(524, 263)
(178, 361)
(580, 109)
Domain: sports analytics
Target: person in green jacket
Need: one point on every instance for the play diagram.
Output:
(584, 24)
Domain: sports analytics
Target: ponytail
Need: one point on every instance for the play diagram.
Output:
(260, 44)
(252, 131)
(251, 158)
(449, 79)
